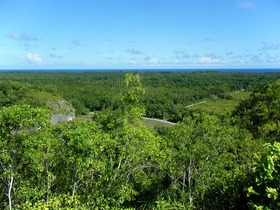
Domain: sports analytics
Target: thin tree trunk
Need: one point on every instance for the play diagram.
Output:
(10, 184)
(48, 175)
(74, 190)
(117, 170)
(190, 183)
(184, 177)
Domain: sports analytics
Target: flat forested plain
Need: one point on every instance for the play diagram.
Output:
(220, 151)
(166, 93)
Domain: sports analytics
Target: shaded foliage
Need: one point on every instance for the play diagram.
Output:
(261, 112)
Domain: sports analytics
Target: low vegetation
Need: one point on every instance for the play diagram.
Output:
(218, 106)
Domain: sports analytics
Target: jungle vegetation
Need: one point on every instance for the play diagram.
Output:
(110, 159)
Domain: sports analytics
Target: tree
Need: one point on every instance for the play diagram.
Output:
(264, 191)
(261, 112)
(114, 162)
(15, 123)
(131, 97)
(206, 154)
(82, 159)
(137, 159)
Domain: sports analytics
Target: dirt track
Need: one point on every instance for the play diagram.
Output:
(158, 120)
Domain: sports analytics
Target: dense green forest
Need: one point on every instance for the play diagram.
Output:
(109, 158)
(166, 94)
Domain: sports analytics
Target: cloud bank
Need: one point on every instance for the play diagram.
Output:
(34, 58)
(208, 59)
(185, 54)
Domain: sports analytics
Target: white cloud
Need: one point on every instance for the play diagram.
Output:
(154, 60)
(207, 59)
(185, 54)
(273, 59)
(151, 60)
(34, 58)
(132, 61)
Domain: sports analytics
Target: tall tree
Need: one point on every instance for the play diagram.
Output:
(15, 122)
(261, 112)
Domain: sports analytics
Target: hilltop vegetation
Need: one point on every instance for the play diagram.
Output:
(111, 160)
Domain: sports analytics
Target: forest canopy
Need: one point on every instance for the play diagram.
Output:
(109, 158)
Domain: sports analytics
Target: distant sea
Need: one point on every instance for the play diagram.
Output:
(145, 70)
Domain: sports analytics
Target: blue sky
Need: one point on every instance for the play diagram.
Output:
(139, 34)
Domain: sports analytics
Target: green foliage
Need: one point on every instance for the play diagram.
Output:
(18, 118)
(221, 107)
(264, 191)
(261, 112)
(11, 92)
(113, 161)
(166, 96)
(17, 123)
(206, 153)
(83, 158)
(130, 101)
(63, 202)
(137, 158)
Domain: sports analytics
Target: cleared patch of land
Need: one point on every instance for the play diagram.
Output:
(221, 106)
